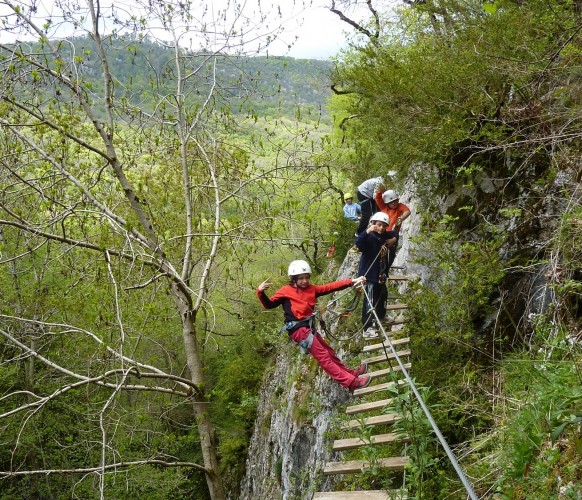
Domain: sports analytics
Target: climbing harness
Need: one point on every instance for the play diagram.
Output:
(307, 342)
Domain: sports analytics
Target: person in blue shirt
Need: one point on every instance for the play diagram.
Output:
(375, 243)
(352, 210)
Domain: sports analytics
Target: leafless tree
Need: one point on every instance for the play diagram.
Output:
(80, 184)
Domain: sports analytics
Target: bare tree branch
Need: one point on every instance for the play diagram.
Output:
(108, 467)
(354, 24)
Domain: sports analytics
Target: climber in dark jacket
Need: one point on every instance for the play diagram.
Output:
(374, 243)
(298, 301)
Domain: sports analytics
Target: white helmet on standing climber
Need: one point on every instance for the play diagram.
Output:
(390, 196)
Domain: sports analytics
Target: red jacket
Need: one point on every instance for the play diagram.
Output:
(299, 303)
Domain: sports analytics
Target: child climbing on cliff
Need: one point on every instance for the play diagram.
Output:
(298, 302)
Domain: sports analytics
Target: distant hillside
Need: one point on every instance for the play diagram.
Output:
(145, 68)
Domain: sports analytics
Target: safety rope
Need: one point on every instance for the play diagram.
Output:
(431, 420)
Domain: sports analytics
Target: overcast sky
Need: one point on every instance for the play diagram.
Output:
(321, 33)
(321, 36)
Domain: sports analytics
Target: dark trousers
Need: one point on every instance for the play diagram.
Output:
(374, 299)
(368, 209)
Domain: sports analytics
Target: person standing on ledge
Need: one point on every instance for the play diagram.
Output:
(389, 203)
(375, 243)
(298, 301)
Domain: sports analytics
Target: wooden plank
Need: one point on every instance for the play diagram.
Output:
(383, 358)
(398, 277)
(395, 307)
(386, 371)
(375, 388)
(388, 418)
(374, 405)
(355, 466)
(361, 495)
(375, 347)
(395, 321)
(352, 443)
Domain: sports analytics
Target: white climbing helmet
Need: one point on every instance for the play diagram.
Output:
(298, 267)
(390, 195)
(381, 217)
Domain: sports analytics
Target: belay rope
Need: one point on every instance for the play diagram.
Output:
(352, 305)
(340, 313)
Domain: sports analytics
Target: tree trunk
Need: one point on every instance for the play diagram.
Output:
(205, 428)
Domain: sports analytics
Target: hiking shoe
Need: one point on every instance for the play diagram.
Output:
(360, 370)
(370, 333)
(360, 383)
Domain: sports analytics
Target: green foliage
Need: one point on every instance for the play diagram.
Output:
(570, 244)
(144, 68)
(538, 445)
(453, 87)
(79, 306)
(423, 473)
(462, 279)
(236, 373)
(343, 232)
(463, 276)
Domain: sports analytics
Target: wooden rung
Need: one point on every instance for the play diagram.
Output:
(393, 296)
(388, 418)
(395, 321)
(374, 405)
(398, 277)
(386, 371)
(395, 307)
(375, 347)
(352, 443)
(355, 466)
(375, 388)
(361, 495)
(382, 358)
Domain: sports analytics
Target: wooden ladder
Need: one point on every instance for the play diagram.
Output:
(370, 415)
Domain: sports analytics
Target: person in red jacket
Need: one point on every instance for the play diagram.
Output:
(389, 203)
(298, 301)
